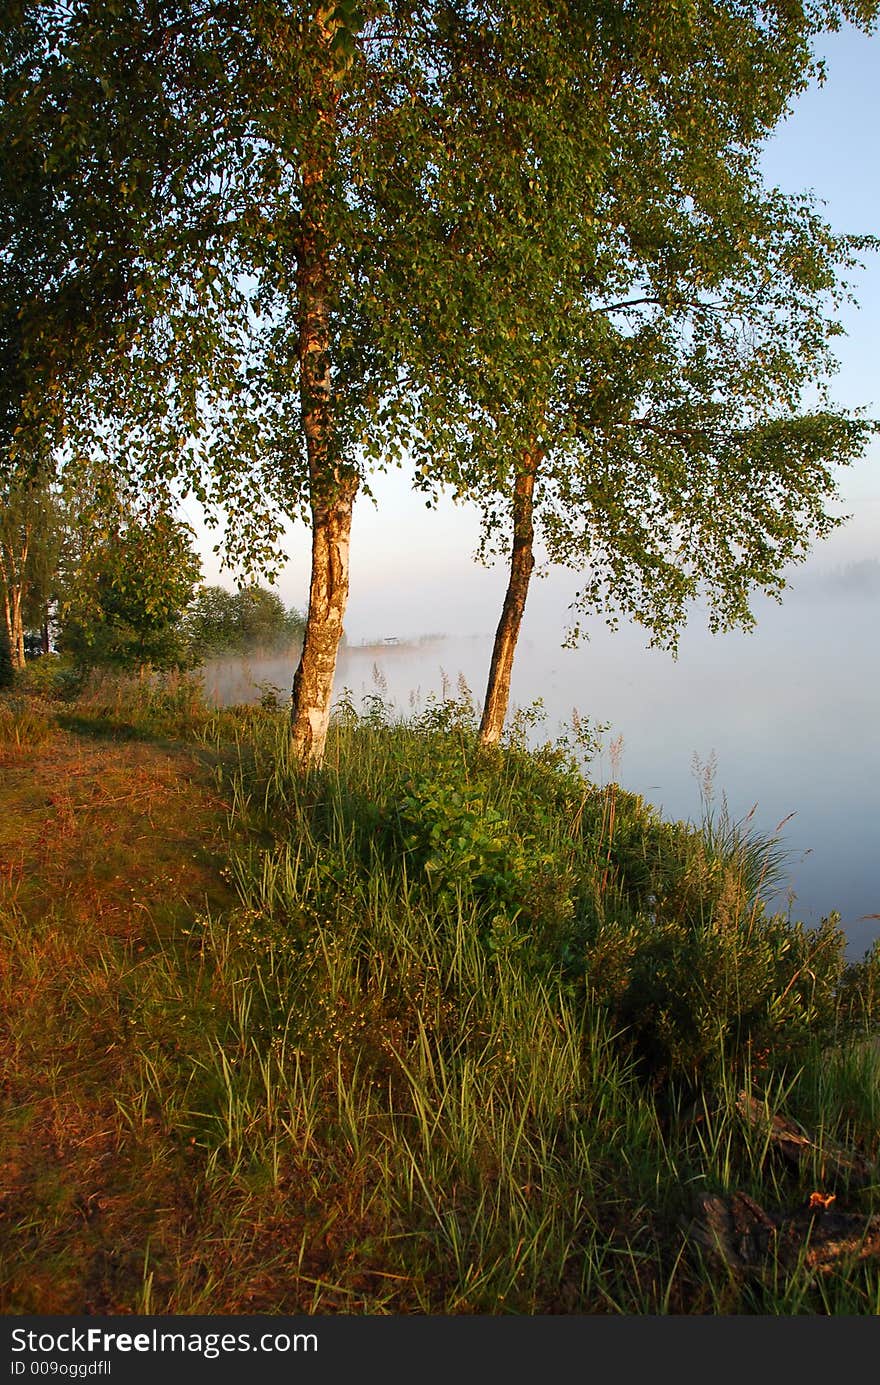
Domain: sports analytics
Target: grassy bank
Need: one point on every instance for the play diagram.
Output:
(432, 1030)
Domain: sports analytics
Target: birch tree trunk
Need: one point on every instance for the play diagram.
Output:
(12, 567)
(10, 638)
(14, 626)
(332, 487)
(522, 562)
(18, 659)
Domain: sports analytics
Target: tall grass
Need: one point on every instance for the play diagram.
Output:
(471, 1040)
(425, 1013)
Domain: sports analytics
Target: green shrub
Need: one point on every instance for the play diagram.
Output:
(51, 676)
(860, 993)
(693, 999)
(126, 607)
(671, 936)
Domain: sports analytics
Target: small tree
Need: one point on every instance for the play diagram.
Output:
(127, 593)
(16, 533)
(211, 621)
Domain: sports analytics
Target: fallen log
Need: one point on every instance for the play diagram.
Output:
(742, 1236)
(831, 1160)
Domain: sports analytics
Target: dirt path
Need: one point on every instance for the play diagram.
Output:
(108, 851)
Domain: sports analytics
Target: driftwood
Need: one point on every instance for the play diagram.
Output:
(833, 1163)
(744, 1237)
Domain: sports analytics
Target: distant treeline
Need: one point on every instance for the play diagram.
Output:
(215, 622)
(111, 580)
(221, 622)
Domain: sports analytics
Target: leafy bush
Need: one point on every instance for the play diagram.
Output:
(125, 606)
(51, 676)
(859, 1000)
(475, 836)
(694, 997)
(671, 937)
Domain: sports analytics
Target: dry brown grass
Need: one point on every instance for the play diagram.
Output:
(108, 852)
(105, 849)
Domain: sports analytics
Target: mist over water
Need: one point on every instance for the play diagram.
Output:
(785, 718)
(238, 678)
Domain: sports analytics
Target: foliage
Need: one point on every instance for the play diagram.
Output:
(472, 847)
(223, 622)
(51, 676)
(44, 560)
(270, 141)
(459, 231)
(646, 322)
(30, 540)
(72, 188)
(125, 605)
(80, 198)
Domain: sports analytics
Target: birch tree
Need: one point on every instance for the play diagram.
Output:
(366, 230)
(639, 379)
(296, 145)
(28, 552)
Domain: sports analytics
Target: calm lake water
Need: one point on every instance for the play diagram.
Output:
(787, 716)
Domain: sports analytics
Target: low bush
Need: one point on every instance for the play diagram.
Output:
(52, 676)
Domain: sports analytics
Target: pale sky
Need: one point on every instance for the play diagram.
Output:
(412, 570)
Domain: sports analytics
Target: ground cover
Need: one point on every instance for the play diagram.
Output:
(433, 1029)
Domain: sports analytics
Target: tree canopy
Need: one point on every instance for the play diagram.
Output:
(240, 622)
(130, 577)
(635, 360)
(280, 243)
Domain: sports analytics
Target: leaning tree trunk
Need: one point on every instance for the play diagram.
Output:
(522, 562)
(332, 487)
